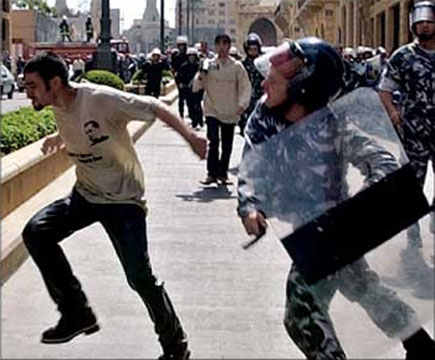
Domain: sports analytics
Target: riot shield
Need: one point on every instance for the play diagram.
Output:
(337, 187)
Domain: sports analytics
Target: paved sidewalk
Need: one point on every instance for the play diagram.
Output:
(229, 300)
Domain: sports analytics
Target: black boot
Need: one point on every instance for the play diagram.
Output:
(177, 349)
(419, 346)
(70, 325)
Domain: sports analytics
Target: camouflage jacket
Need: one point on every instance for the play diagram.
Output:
(255, 79)
(305, 163)
(411, 70)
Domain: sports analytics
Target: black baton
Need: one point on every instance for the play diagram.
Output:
(251, 242)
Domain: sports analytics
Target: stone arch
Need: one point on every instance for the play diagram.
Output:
(266, 30)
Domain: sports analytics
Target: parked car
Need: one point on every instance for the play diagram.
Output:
(20, 82)
(7, 82)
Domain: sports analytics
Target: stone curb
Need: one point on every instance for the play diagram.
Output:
(14, 253)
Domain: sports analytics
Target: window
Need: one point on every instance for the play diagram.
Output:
(329, 12)
(221, 4)
(4, 29)
(211, 12)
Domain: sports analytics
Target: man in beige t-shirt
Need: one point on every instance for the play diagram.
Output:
(92, 122)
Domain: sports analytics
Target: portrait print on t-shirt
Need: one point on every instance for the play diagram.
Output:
(93, 132)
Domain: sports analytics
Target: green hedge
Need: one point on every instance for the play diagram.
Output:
(104, 77)
(139, 77)
(25, 126)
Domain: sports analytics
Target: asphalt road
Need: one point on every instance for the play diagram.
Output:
(19, 100)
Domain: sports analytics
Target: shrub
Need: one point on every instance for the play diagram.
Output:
(139, 77)
(25, 126)
(167, 76)
(104, 77)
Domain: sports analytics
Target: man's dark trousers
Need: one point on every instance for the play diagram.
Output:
(183, 94)
(126, 227)
(218, 166)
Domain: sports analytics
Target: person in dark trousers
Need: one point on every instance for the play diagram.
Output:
(92, 122)
(178, 58)
(227, 94)
(153, 71)
(252, 48)
(303, 76)
(186, 75)
(410, 71)
(89, 29)
(64, 29)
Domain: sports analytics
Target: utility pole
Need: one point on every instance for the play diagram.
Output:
(104, 58)
(192, 32)
(188, 18)
(180, 17)
(162, 25)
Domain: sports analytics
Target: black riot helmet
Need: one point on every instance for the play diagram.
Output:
(313, 67)
(422, 11)
(252, 39)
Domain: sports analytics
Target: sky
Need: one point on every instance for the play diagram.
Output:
(130, 9)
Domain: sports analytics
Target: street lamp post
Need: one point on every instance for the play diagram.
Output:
(105, 59)
(162, 25)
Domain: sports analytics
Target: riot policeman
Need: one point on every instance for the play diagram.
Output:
(410, 71)
(308, 147)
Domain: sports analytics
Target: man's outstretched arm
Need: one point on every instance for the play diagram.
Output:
(197, 143)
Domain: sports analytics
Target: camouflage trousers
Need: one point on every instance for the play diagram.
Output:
(306, 312)
(419, 153)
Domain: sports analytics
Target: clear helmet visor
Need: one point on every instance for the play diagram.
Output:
(423, 13)
(287, 58)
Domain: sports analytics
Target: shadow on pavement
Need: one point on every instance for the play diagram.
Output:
(208, 194)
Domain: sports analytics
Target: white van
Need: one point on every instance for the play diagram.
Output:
(7, 82)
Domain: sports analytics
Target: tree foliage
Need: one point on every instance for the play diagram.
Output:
(38, 5)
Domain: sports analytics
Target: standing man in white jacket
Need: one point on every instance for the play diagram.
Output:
(227, 94)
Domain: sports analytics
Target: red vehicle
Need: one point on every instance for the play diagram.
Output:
(70, 50)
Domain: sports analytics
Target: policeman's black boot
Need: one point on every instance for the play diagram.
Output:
(420, 346)
(71, 325)
(178, 348)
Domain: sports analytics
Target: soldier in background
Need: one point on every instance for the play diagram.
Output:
(411, 71)
(89, 29)
(64, 29)
(186, 74)
(179, 58)
(153, 70)
(252, 47)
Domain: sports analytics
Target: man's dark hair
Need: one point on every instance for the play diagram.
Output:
(48, 65)
(222, 38)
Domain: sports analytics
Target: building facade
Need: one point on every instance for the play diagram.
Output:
(258, 16)
(115, 20)
(350, 23)
(30, 26)
(299, 18)
(6, 27)
(202, 20)
(144, 35)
